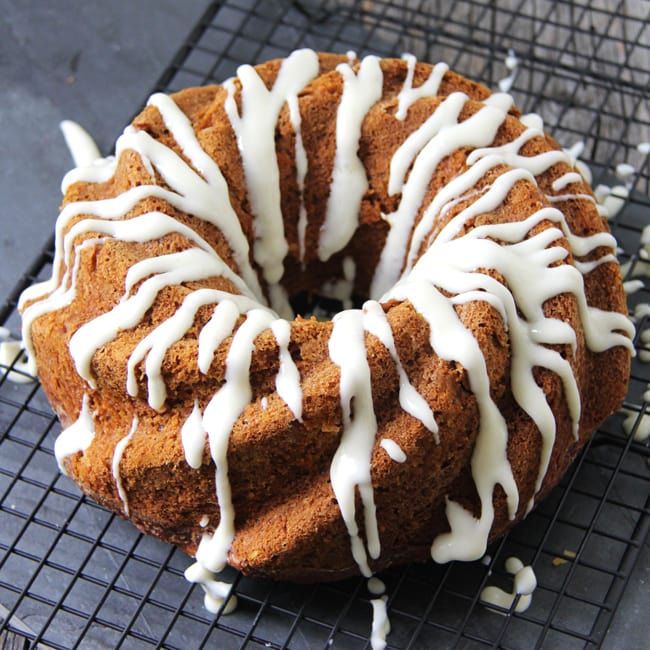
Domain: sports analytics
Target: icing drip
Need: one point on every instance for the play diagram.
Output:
(532, 121)
(255, 131)
(588, 267)
(214, 198)
(500, 100)
(219, 417)
(115, 465)
(526, 266)
(512, 63)
(350, 468)
(82, 147)
(301, 173)
(217, 596)
(279, 299)
(166, 270)
(625, 171)
(217, 329)
(147, 227)
(452, 342)
(632, 286)
(204, 197)
(154, 346)
(287, 381)
(349, 181)
(376, 323)
(440, 135)
(12, 356)
(409, 95)
(393, 450)
(615, 200)
(525, 584)
(193, 437)
(642, 432)
(375, 586)
(566, 179)
(380, 623)
(342, 288)
(77, 437)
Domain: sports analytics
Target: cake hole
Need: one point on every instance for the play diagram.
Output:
(323, 308)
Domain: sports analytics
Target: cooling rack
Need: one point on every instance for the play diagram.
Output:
(74, 575)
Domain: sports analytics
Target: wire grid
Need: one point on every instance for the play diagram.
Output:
(73, 574)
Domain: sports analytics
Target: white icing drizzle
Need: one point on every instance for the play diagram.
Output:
(566, 179)
(559, 198)
(82, 147)
(443, 277)
(376, 323)
(193, 437)
(350, 468)
(588, 267)
(395, 452)
(524, 584)
(147, 227)
(532, 121)
(118, 452)
(254, 127)
(219, 417)
(408, 95)
(452, 342)
(204, 197)
(301, 173)
(349, 181)
(380, 623)
(287, 381)
(524, 265)
(217, 594)
(216, 330)
(77, 437)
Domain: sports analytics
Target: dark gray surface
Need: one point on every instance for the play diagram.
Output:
(93, 62)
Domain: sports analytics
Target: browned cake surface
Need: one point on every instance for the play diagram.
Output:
(288, 522)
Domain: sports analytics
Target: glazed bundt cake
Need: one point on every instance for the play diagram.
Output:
(492, 342)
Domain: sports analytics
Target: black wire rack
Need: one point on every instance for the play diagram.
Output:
(73, 574)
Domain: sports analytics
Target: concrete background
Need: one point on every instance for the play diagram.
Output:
(94, 62)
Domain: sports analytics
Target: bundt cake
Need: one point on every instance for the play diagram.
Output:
(493, 338)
